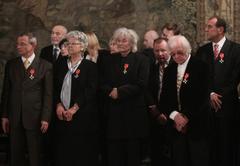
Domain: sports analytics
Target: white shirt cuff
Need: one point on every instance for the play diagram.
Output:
(212, 93)
(173, 114)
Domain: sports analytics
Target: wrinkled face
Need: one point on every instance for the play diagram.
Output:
(148, 41)
(179, 55)
(211, 30)
(161, 51)
(123, 45)
(24, 47)
(74, 46)
(167, 33)
(57, 34)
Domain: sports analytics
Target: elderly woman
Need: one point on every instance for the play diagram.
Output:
(124, 82)
(76, 125)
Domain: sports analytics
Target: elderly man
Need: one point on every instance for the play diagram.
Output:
(184, 99)
(222, 57)
(149, 38)
(51, 53)
(26, 101)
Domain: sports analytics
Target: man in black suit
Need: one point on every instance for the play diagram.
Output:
(158, 145)
(51, 53)
(26, 101)
(222, 57)
(185, 99)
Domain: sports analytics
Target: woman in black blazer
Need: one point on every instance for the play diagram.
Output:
(76, 125)
(123, 82)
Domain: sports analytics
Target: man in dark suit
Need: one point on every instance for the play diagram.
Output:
(51, 53)
(158, 147)
(222, 57)
(185, 99)
(26, 101)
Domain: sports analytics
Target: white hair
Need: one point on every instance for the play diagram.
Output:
(179, 40)
(130, 34)
(80, 36)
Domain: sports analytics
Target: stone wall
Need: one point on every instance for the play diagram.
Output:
(104, 16)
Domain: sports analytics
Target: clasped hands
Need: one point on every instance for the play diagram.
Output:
(181, 122)
(113, 94)
(66, 115)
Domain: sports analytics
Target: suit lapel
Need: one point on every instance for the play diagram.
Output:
(32, 72)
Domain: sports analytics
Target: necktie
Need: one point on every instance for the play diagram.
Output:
(215, 50)
(26, 63)
(179, 82)
(55, 54)
(161, 70)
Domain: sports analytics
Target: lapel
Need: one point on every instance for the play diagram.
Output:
(32, 73)
(221, 62)
(20, 69)
(187, 75)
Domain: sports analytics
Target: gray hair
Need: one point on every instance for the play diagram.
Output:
(179, 40)
(80, 36)
(31, 37)
(130, 34)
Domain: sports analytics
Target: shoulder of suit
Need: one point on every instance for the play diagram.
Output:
(45, 62)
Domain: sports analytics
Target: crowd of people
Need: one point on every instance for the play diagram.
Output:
(78, 104)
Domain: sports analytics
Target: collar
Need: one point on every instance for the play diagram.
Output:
(220, 43)
(30, 59)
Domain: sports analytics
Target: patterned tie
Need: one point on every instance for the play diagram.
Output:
(215, 51)
(179, 82)
(26, 63)
(161, 71)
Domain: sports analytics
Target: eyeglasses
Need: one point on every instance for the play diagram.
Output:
(73, 44)
(22, 44)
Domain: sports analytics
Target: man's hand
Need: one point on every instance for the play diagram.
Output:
(162, 119)
(114, 93)
(180, 121)
(215, 100)
(59, 111)
(5, 125)
(44, 126)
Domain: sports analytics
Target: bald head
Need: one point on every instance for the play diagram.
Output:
(149, 38)
(58, 33)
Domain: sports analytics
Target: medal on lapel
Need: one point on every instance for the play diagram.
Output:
(185, 78)
(77, 72)
(32, 73)
(221, 55)
(125, 68)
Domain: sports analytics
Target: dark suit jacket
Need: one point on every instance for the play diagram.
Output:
(194, 95)
(47, 54)
(126, 116)
(224, 76)
(27, 101)
(83, 92)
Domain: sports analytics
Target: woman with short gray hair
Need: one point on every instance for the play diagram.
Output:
(76, 124)
(125, 80)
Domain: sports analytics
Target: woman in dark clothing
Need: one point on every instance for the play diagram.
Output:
(76, 125)
(123, 82)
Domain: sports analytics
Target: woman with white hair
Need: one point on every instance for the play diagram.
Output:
(76, 124)
(124, 83)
